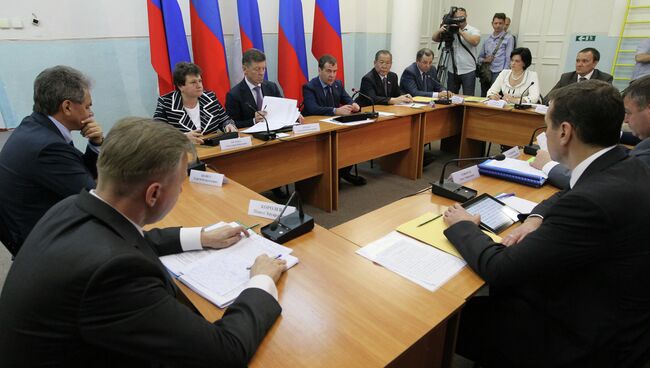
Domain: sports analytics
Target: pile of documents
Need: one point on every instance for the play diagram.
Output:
(220, 275)
(280, 113)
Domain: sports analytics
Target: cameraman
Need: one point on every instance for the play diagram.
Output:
(464, 50)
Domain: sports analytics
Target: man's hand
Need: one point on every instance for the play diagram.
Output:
(265, 265)
(517, 235)
(222, 237)
(445, 94)
(355, 107)
(230, 128)
(343, 110)
(93, 131)
(541, 159)
(259, 116)
(401, 99)
(457, 213)
(194, 136)
(301, 119)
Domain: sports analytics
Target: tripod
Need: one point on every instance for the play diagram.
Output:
(446, 54)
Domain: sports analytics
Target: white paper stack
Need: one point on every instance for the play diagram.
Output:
(280, 113)
(421, 263)
(221, 275)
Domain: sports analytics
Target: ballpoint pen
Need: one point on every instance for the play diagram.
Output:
(426, 222)
(247, 227)
(504, 195)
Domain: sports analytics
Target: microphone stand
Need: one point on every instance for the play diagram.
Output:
(264, 136)
(520, 105)
(457, 192)
(530, 148)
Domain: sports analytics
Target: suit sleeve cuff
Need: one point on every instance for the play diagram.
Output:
(191, 238)
(434, 95)
(265, 283)
(549, 166)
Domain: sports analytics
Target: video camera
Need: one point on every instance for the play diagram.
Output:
(452, 25)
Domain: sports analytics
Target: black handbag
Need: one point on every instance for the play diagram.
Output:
(483, 72)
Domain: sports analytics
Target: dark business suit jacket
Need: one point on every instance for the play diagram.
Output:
(572, 77)
(315, 102)
(411, 81)
(213, 116)
(38, 168)
(87, 290)
(573, 293)
(240, 97)
(371, 85)
(560, 175)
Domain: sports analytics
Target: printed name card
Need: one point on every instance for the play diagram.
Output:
(457, 100)
(306, 128)
(267, 209)
(465, 175)
(514, 152)
(541, 109)
(207, 178)
(496, 103)
(229, 144)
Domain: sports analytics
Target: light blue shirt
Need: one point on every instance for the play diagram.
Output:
(67, 135)
(641, 69)
(502, 57)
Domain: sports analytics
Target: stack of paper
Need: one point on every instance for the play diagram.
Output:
(221, 275)
(415, 261)
(515, 170)
(280, 113)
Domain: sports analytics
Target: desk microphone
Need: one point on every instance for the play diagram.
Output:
(262, 135)
(530, 148)
(283, 229)
(520, 105)
(360, 116)
(372, 102)
(197, 164)
(457, 192)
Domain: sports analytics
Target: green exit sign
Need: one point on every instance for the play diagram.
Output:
(585, 38)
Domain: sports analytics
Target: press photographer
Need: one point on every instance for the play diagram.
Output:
(459, 43)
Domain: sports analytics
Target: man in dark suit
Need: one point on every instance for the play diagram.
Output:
(39, 164)
(380, 84)
(244, 101)
(88, 290)
(573, 292)
(325, 95)
(586, 62)
(636, 98)
(419, 78)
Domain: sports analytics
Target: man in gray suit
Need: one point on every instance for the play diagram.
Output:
(586, 62)
(637, 115)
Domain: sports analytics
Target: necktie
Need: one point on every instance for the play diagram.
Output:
(385, 82)
(424, 81)
(258, 97)
(582, 79)
(328, 96)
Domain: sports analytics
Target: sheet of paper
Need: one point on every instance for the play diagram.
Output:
(518, 165)
(542, 141)
(519, 204)
(280, 111)
(413, 260)
(331, 120)
(432, 233)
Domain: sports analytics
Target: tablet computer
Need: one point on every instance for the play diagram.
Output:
(496, 216)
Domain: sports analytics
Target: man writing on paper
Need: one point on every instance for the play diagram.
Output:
(87, 288)
(574, 292)
(636, 98)
(419, 78)
(39, 165)
(325, 95)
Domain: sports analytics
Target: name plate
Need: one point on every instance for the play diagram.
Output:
(306, 128)
(228, 144)
(541, 109)
(457, 99)
(514, 152)
(267, 209)
(465, 175)
(207, 178)
(496, 103)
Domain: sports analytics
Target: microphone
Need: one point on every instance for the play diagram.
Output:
(372, 102)
(520, 105)
(359, 116)
(197, 164)
(262, 135)
(457, 192)
(530, 148)
(283, 229)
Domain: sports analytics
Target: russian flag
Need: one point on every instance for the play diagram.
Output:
(247, 33)
(292, 54)
(167, 40)
(327, 33)
(208, 46)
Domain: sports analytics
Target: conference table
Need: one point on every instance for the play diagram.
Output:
(339, 309)
(312, 160)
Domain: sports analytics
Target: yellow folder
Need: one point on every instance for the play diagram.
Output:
(432, 233)
(422, 99)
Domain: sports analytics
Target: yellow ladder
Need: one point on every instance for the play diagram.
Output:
(635, 28)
